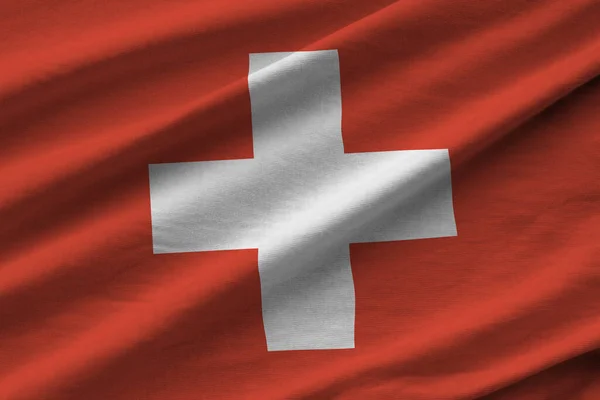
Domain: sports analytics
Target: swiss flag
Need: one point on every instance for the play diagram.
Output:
(93, 95)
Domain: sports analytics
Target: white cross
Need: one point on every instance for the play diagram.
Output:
(301, 201)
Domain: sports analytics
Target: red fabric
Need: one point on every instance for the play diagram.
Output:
(92, 91)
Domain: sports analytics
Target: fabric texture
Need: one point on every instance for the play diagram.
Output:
(97, 96)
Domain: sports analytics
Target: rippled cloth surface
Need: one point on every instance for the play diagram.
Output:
(92, 92)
